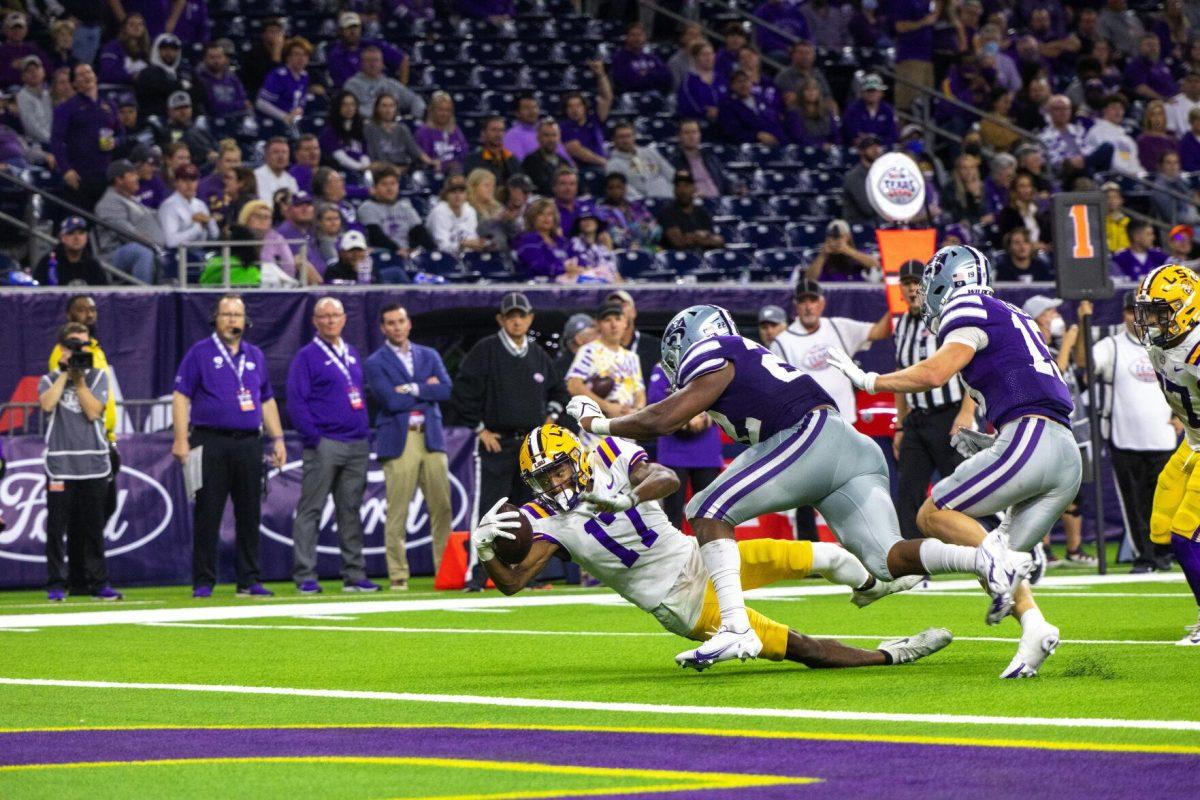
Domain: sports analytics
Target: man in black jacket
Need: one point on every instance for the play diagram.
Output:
(544, 163)
(703, 165)
(505, 387)
(70, 261)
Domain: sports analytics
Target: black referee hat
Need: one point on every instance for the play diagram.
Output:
(912, 269)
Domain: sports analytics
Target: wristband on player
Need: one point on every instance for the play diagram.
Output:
(869, 382)
(601, 426)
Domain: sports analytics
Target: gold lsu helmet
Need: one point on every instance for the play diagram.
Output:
(1167, 305)
(543, 452)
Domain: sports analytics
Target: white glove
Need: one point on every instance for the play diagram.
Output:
(582, 406)
(843, 363)
(599, 504)
(968, 442)
(493, 524)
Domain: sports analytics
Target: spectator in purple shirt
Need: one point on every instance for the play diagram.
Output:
(1155, 140)
(285, 90)
(808, 121)
(998, 182)
(1189, 143)
(307, 160)
(727, 57)
(1141, 256)
(869, 26)
(744, 118)
(1147, 75)
(699, 96)
(300, 224)
(693, 453)
(84, 133)
(15, 49)
(786, 16)
(327, 403)
(870, 114)
(522, 138)
(343, 57)
(128, 54)
(541, 250)
(636, 68)
(439, 136)
(193, 25)
(582, 130)
(913, 21)
(222, 90)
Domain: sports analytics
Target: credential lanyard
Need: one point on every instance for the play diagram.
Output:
(336, 360)
(237, 367)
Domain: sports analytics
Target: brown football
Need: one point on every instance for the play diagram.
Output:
(513, 551)
(601, 385)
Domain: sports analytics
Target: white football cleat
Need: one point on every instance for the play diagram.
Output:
(725, 645)
(881, 589)
(1000, 577)
(1193, 627)
(912, 648)
(1193, 637)
(1032, 651)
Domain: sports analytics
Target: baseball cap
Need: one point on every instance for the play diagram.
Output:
(187, 172)
(807, 288)
(619, 296)
(520, 181)
(28, 61)
(352, 240)
(118, 168)
(145, 153)
(72, 224)
(684, 176)
(1130, 299)
(575, 324)
(1039, 304)
(609, 309)
(1026, 149)
(910, 129)
(837, 227)
(301, 198)
(348, 19)
(169, 40)
(872, 81)
(1110, 186)
(912, 269)
(179, 100)
(868, 139)
(1179, 230)
(515, 301)
(773, 314)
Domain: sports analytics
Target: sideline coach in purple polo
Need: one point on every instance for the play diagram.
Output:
(223, 389)
(328, 407)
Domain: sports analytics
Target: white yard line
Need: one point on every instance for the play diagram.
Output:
(627, 708)
(1045, 595)
(80, 603)
(204, 611)
(526, 632)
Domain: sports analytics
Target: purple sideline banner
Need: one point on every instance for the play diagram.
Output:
(149, 539)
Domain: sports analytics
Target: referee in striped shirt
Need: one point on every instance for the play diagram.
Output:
(925, 421)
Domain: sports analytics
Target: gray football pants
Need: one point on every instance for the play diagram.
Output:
(822, 462)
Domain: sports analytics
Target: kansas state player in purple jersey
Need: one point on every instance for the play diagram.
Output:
(800, 452)
(1031, 469)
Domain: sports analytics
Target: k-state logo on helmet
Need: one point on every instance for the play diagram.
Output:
(144, 510)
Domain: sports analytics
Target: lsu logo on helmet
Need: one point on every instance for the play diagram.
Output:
(1167, 305)
(543, 453)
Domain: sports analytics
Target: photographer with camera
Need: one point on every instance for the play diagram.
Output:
(77, 468)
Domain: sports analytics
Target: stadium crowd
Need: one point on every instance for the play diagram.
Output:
(387, 142)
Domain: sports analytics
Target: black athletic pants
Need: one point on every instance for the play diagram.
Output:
(75, 512)
(700, 478)
(1137, 472)
(232, 466)
(925, 449)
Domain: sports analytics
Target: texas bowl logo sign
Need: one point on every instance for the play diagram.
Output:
(895, 187)
(279, 512)
(144, 511)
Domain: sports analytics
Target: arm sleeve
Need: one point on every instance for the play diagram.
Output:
(701, 358)
(298, 385)
(974, 338)
(440, 228)
(58, 137)
(470, 386)
(1102, 358)
(185, 379)
(854, 333)
(379, 385)
(440, 391)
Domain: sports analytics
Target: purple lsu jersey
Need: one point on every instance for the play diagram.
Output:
(766, 395)
(1014, 374)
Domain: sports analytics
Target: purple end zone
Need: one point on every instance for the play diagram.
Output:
(845, 768)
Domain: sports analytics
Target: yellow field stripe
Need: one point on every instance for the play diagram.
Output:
(668, 780)
(954, 741)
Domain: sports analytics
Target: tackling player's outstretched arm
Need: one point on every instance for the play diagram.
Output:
(512, 579)
(669, 414)
(931, 373)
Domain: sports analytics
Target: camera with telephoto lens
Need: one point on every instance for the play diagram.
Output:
(79, 360)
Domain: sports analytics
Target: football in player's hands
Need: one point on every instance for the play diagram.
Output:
(601, 385)
(513, 551)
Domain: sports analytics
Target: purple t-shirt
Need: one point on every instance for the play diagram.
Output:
(683, 449)
(858, 120)
(695, 96)
(567, 216)
(445, 148)
(284, 90)
(915, 45)
(767, 395)
(207, 377)
(785, 15)
(639, 71)
(151, 193)
(323, 386)
(224, 95)
(1014, 374)
(590, 134)
(342, 62)
(1155, 75)
(1134, 268)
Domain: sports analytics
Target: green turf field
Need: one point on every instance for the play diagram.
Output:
(432, 674)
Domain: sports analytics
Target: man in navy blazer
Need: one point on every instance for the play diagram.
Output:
(407, 381)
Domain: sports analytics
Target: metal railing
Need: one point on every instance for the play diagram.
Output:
(226, 247)
(133, 416)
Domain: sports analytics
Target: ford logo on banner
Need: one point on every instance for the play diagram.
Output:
(144, 510)
(279, 511)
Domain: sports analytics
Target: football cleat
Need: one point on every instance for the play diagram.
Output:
(1032, 651)
(1000, 577)
(912, 648)
(881, 589)
(1039, 563)
(725, 645)
(1195, 626)
(1193, 637)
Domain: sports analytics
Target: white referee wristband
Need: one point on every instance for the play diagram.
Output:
(601, 426)
(869, 382)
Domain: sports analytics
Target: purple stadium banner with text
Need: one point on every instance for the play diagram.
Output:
(149, 538)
